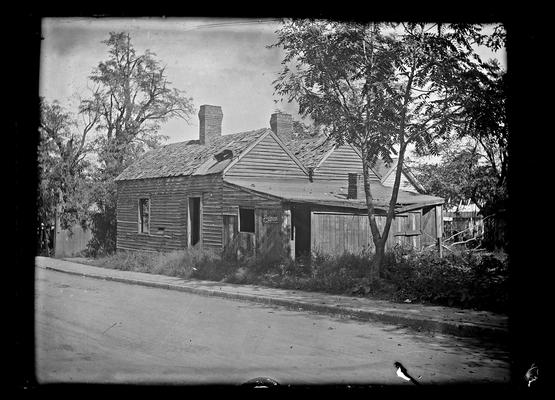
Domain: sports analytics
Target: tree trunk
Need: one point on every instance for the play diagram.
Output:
(57, 224)
(376, 263)
(378, 260)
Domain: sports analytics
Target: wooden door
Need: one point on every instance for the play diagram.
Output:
(272, 238)
(229, 238)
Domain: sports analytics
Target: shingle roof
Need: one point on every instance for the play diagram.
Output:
(331, 193)
(190, 157)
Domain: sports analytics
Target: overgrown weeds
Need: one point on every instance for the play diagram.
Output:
(461, 279)
(186, 264)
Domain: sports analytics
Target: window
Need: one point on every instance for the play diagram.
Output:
(246, 220)
(144, 215)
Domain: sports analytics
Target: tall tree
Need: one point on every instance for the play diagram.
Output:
(133, 99)
(485, 121)
(479, 170)
(379, 87)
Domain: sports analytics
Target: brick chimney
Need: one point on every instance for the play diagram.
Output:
(282, 125)
(210, 119)
(352, 188)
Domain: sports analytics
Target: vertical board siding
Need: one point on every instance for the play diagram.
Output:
(338, 233)
(339, 163)
(266, 159)
(168, 212)
(272, 233)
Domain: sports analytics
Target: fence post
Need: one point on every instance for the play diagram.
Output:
(439, 228)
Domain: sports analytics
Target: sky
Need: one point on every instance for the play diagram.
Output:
(224, 62)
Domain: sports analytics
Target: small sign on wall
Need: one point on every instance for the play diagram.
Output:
(270, 219)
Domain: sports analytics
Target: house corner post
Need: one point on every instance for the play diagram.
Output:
(439, 229)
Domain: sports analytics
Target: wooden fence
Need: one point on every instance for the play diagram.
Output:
(71, 243)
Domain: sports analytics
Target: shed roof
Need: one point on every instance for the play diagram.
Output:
(332, 193)
(190, 157)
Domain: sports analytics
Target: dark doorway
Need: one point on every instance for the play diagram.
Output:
(300, 217)
(194, 220)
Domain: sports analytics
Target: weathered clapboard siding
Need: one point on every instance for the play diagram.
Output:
(232, 197)
(405, 182)
(334, 233)
(168, 212)
(267, 160)
(267, 239)
(342, 161)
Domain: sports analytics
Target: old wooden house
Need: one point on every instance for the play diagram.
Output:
(264, 192)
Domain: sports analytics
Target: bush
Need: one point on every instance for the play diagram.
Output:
(464, 279)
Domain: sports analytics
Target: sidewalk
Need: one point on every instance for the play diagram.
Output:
(436, 319)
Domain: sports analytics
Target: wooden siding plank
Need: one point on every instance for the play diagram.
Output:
(339, 163)
(168, 211)
(335, 233)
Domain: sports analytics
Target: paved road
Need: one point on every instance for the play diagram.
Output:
(89, 330)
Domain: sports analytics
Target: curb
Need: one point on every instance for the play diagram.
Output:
(464, 329)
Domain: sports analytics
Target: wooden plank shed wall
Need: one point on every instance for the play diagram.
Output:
(169, 211)
(334, 233)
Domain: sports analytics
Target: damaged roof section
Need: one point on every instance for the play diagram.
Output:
(192, 158)
(333, 194)
(311, 151)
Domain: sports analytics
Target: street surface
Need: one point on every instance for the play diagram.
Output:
(90, 330)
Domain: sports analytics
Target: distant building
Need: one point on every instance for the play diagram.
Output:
(463, 222)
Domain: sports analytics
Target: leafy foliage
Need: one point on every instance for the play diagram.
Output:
(380, 87)
(462, 174)
(463, 279)
(131, 99)
(466, 279)
(478, 170)
(64, 171)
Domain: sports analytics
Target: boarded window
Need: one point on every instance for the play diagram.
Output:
(144, 215)
(246, 220)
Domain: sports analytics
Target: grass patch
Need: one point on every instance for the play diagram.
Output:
(184, 264)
